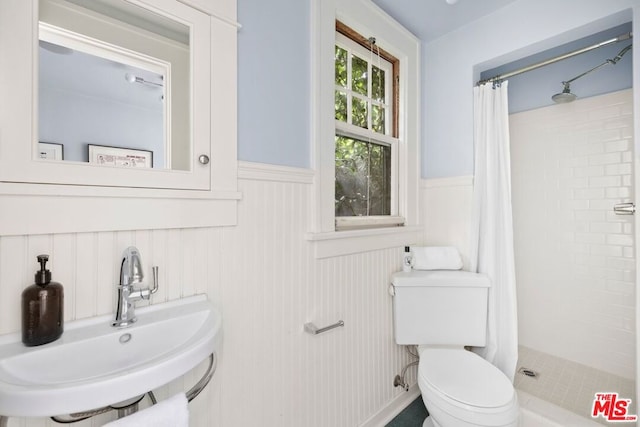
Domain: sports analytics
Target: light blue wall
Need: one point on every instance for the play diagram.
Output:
(454, 61)
(535, 88)
(77, 120)
(274, 90)
(274, 82)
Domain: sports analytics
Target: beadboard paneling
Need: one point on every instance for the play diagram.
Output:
(446, 209)
(263, 275)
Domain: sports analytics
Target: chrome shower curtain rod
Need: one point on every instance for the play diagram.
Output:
(531, 67)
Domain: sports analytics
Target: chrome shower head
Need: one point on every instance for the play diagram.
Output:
(565, 96)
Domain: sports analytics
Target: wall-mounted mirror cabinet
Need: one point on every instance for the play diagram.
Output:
(116, 92)
(118, 99)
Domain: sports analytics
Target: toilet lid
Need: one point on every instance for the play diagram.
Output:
(465, 377)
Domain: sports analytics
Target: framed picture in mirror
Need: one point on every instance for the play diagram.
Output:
(104, 155)
(50, 151)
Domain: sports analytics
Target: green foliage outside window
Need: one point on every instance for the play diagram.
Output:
(363, 178)
(363, 168)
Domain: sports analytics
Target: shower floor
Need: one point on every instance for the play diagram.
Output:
(570, 385)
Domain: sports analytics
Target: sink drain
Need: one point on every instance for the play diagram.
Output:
(125, 338)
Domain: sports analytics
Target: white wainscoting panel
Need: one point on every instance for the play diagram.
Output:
(446, 212)
(263, 275)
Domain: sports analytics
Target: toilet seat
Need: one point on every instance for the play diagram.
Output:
(464, 378)
(461, 389)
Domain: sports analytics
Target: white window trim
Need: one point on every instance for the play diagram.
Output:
(369, 20)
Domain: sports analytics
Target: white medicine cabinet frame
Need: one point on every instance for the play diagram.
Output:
(49, 196)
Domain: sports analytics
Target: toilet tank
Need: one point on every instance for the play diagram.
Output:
(440, 307)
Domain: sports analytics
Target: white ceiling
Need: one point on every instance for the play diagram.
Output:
(430, 19)
(70, 73)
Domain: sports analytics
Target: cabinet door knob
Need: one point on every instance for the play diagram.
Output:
(203, 159)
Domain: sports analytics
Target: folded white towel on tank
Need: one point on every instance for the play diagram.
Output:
(172, 412)
(436, 258)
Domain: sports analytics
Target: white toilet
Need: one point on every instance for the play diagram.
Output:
(441, 312)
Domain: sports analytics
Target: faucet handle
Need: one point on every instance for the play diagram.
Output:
(154, 289)
(147, 292)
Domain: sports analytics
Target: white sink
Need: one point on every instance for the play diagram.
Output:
(94, 364)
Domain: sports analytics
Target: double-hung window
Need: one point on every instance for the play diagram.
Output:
(366, 129)
(366, 143)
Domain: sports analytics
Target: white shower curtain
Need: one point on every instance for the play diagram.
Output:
(492, 225)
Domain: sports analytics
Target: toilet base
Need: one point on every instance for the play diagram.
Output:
(428, 422)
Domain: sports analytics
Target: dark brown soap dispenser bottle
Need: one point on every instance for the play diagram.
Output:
(42, 308)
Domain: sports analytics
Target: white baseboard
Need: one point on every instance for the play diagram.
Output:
(389, 412)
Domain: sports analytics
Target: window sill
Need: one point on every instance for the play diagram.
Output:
(337, 243)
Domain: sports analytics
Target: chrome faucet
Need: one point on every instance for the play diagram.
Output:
(131, 274)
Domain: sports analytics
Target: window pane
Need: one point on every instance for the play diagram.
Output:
(341, 106)
(363, 178)
(377, 118)
(359, 112)
(359, 75)
(377, 84)
(380, 180)
(341, 67)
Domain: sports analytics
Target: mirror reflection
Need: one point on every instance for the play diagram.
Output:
(113, 86)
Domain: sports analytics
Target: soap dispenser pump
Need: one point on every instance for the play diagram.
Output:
(407, 259)
(42, 308)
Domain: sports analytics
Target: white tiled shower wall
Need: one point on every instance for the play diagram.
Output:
(265, 278)
(575, 264)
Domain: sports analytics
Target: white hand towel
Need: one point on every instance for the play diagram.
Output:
(172, 412)
(436, 258)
